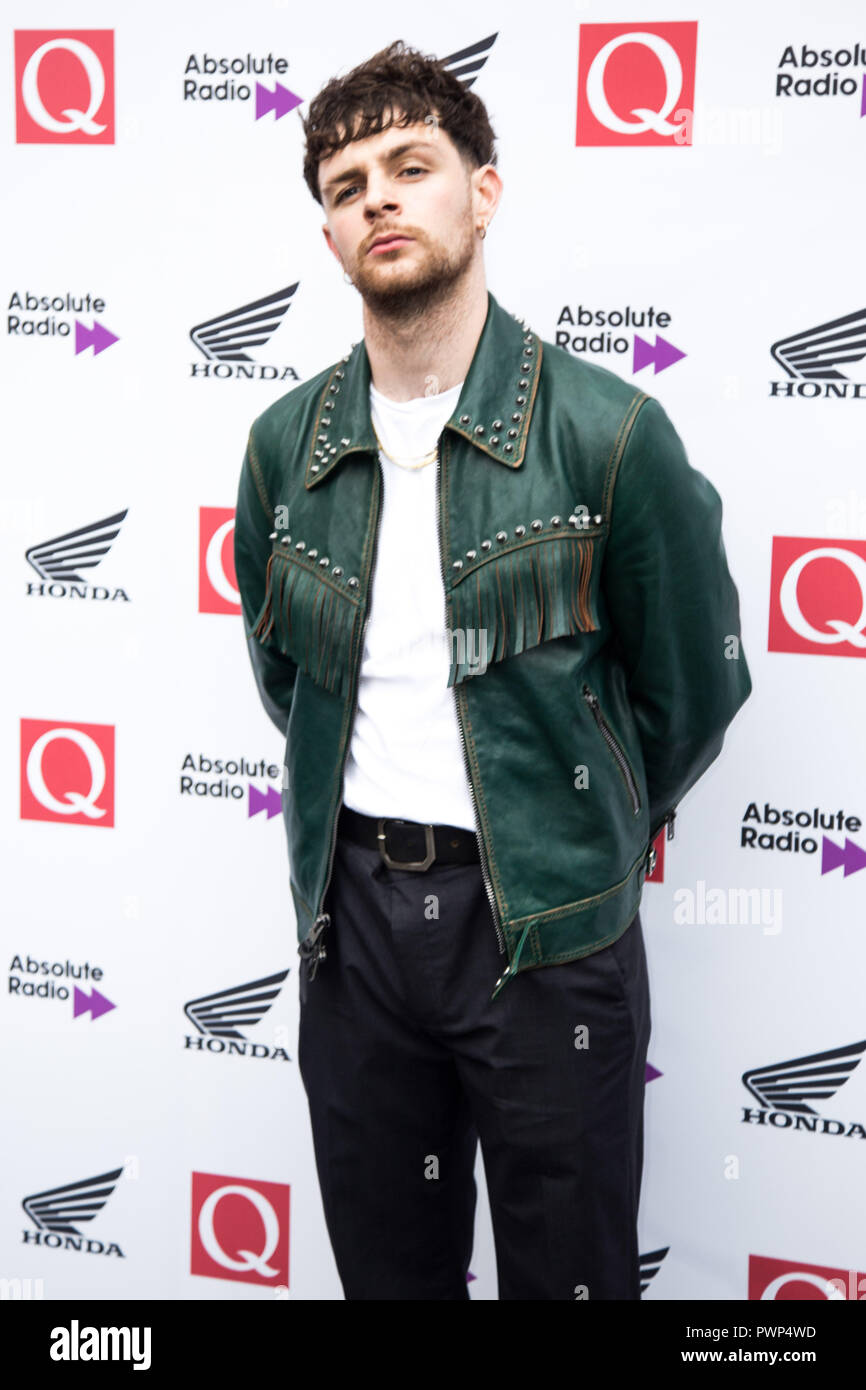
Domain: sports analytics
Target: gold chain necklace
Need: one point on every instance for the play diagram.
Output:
(409, 465)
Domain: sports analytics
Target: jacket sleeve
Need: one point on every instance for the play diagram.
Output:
(674, 608)
(254, 524)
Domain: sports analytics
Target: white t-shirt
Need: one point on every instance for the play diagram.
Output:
(406, 758)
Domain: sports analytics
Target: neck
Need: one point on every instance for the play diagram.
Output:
(409, 354)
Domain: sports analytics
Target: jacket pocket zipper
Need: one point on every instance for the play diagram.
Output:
(614, 746)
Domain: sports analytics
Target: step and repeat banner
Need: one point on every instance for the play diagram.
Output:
(683, 204)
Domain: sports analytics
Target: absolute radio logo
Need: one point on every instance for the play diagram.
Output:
(610, 340)
(228, 782)
(227, 340)
(636, 84)
(64, 562)
(59, 1212)
(791, 832)
(784, 1091)
(67, 772)
(53, 316)
(792, 1280)
(818, 596)
(218, 1019)
(30, 978)
(64, 86)
(825, 72)
(210, 80)
(217, 580)
(828, 360)
(240, 1230)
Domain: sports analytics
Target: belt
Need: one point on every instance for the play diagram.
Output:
(401, 841)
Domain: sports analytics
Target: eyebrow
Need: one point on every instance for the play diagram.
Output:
(390, 157)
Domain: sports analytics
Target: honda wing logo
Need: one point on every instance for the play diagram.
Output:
(817, 353)
(466, 63)
(791, 1085)
(226, 338)
(61, 558)
(58, 1208)
(221, 1014)
(650, 1264)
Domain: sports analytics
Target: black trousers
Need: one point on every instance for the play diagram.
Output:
(407, 1063)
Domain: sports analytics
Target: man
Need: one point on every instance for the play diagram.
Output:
(487, 603)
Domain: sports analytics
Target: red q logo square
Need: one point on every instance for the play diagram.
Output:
(64, 86)
(67, 772)
(217, 581)
(240, 1229)
(782, 1281)
(818, 596)
(636, 84)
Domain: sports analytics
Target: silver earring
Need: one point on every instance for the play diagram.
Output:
(482, 228)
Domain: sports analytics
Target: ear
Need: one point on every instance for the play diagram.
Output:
(330, 240)
(487, 189)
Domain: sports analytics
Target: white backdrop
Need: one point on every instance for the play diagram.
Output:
(190, 209)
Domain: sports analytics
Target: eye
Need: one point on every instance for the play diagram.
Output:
(340, 196)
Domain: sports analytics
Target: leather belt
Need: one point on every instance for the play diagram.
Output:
(409, 844)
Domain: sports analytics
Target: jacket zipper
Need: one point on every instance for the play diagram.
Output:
(482, 848)
(652, 856)
(611, 741)
(667, 820)
(312, 948)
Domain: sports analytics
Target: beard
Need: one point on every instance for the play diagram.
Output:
(411, 292)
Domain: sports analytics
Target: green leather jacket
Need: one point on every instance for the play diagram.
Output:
(581, 546)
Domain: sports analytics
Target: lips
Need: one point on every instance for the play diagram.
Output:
(387, 243)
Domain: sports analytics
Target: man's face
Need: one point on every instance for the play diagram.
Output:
(409, 183)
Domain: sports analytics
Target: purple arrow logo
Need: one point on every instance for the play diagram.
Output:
(651, 1073)
(93, 1003)
(852, 857)
(96, 337)
(280, 101)
(664, 354)
(264, 801)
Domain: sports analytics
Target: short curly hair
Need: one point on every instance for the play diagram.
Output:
(367, 100)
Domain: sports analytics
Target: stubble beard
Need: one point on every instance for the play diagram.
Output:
(407, 297)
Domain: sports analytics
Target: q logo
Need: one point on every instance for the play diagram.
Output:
(67, 772)
(818, 596)
(217, 582)
(64, 86)
(636, 84)
(240, 1230)
(779, 1281)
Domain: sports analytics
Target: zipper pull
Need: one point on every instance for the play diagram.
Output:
(670, 818)
(591, 699)
(312, 948)
(503, 980)
(511, 969)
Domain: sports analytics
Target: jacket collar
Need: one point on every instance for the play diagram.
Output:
(493, 412)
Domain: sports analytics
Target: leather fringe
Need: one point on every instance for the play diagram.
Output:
(309, 620)
(527, 596)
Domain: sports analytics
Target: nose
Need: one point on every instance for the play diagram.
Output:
(380, 195)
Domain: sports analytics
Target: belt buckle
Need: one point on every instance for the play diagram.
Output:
(416, 865)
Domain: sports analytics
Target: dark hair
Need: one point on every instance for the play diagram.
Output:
(396, 79)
